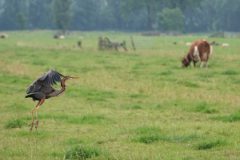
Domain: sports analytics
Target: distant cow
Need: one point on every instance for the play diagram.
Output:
(58, 36)
(199, 51)
(79, 44)
(3, 35)
(224, 45)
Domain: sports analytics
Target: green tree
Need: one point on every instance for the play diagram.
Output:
(184, 4)
(86, 14)
(196, 15)
(171, 19)
(62, 14)
(217, 15)
(115, 8)
(40, 14)
(148, 10)
(15, 14)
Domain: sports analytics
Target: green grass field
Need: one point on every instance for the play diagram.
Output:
(135, 105)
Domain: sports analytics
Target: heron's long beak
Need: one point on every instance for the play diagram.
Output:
(70, 77)
(73, 77)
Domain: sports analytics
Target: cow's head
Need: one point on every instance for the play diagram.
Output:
(185, 62)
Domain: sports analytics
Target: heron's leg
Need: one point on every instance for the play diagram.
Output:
(36, 122)
(40, 103)
(33, 115)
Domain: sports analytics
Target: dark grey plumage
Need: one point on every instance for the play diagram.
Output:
(42, 87)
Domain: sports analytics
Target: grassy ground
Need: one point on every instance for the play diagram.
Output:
(126, 105)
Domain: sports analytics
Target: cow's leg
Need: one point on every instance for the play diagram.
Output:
(201, 64)
(205, 59)
(194, 63)
(196, 52)
(206, 64)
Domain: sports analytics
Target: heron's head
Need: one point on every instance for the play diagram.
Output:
(65, 78)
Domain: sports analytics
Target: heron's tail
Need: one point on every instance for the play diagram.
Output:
(32, 95)
(29, 95)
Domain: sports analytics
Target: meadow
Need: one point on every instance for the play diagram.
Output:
(134, 105)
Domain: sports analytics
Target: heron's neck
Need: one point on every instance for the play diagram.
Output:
(57, 92)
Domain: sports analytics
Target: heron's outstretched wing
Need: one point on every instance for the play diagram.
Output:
(45, 81)
(51, 77)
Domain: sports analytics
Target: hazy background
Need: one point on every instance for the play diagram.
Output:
(124, 15)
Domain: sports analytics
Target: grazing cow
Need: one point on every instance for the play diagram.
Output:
(199, 51)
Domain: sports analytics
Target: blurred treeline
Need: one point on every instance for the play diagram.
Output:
(125, 15)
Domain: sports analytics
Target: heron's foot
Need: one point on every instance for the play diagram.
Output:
(36, 124)
(31, 125)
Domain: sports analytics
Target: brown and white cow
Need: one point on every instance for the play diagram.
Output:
(199, 51)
